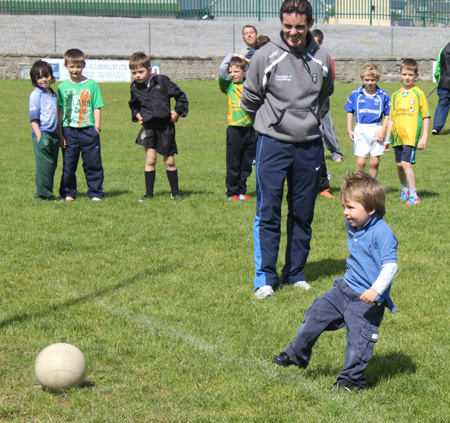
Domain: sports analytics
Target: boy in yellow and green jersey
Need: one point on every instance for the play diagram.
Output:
(409, 121)
(240, 148)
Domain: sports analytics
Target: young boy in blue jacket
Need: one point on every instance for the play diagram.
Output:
(356, 301)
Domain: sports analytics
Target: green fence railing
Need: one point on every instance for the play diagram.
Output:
(391, 12)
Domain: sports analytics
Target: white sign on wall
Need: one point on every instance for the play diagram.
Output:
(98, 70)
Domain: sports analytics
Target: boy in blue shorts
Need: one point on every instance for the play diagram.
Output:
(150, 106)
(240, 134)
(368, 104)
(43, 109)
(409, 118)
(80, 104)
(356, 301)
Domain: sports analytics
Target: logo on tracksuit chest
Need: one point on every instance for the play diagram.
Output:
(314, 77)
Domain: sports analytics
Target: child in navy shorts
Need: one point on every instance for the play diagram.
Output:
(356, 301)
(150, 106)
(408, 129)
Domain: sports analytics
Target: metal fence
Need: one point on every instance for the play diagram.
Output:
(379, 12)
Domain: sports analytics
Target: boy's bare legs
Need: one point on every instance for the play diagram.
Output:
(150, 159)
(406, 174)
(374, 162)
(360, 163)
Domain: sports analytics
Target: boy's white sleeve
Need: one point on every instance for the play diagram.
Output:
(385, 277)
(223, 68)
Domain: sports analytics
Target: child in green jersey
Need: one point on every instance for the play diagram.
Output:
(240, 133)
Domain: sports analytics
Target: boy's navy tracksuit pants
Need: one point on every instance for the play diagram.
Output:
(299, 165)
(87, 142)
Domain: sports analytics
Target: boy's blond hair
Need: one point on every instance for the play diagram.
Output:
(409, 64)
(74, 55)
(369, 70)
(139, 60)
(364, 189)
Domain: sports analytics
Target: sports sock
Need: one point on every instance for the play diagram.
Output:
(172, 176)
(404, 187)
(149, 181)
(413, 192)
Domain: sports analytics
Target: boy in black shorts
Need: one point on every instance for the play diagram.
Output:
(150, 106)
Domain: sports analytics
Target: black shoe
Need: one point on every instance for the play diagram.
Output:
(347, 387)
(435, 132)
(283, 359)
(146, 197)
(177, 196)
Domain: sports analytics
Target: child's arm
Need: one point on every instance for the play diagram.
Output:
(98, 120)
(423, 140)
(387, 144)
(382, 283)
(60, 126)
(223, 68)
(350, 125)
(382, 132)
(36, 128)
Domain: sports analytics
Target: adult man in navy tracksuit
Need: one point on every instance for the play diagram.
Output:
(289, 79)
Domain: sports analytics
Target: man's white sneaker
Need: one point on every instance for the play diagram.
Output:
(264, 292)
(303, 285)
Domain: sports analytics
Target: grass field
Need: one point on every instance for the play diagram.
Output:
(158, 295)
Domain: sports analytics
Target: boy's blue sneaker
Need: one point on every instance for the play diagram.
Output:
(404, 195)
(412, 201)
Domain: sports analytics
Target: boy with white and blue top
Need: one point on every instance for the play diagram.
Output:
(368, 104)
(356, 301)
(43, 112)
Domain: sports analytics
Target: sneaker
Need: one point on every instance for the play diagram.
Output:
(69, 199)
(146, 197)
(326, 193)
(283, 359)
(234, 197)
(244, 197)
(346, 387)
(404, 195)
(177, 196)
(412, 201)
(435, 132)
(264, 292)
(96, 199)
(303, 285)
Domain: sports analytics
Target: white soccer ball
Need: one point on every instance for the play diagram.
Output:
(59, 367)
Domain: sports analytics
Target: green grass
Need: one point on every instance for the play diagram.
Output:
(158, 295)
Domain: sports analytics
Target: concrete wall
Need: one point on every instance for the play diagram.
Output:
(13, 66)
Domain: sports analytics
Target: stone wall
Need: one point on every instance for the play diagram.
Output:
(14, 66)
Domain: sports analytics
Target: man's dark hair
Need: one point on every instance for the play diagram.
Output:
(299, 7)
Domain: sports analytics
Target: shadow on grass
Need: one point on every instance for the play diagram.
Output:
(381, 366)
(385, 366)
(325, 268)
(23, 317)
